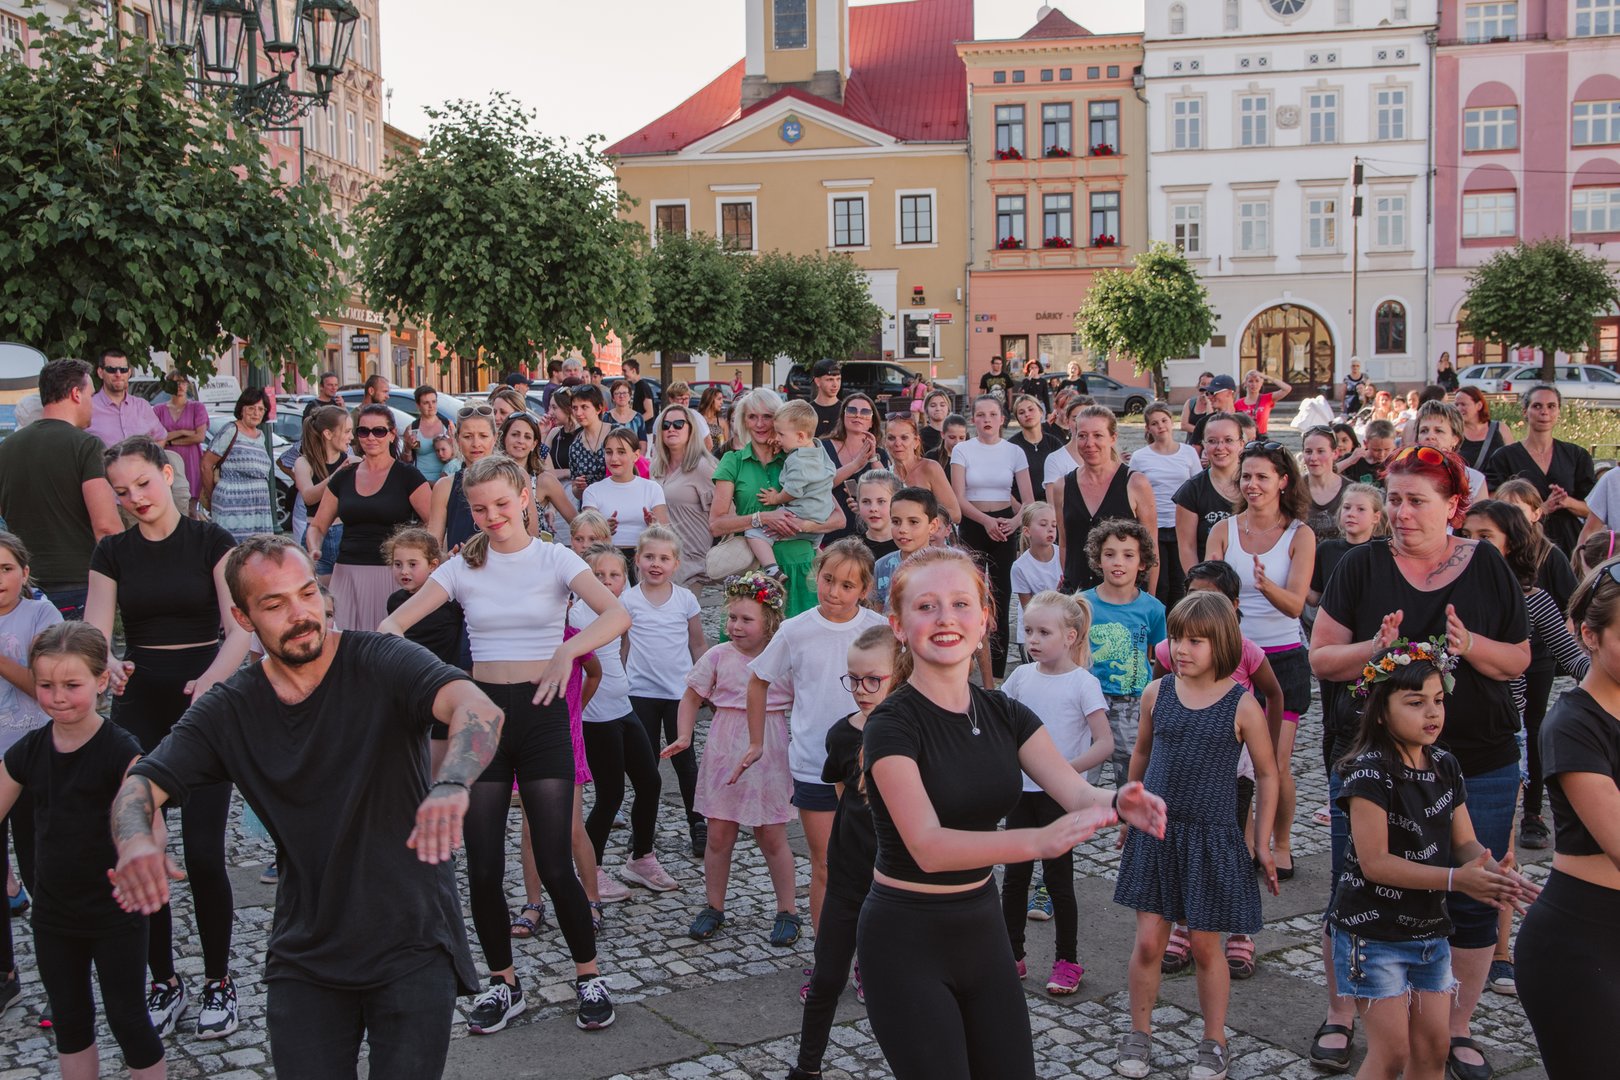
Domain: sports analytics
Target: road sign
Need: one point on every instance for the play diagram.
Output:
(360, 343)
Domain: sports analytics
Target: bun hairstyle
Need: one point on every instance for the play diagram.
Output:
(140, 446)
(475, 552)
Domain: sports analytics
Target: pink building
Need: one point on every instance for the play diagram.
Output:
(1526, 145)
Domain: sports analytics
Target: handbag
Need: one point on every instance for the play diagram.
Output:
(728, 558)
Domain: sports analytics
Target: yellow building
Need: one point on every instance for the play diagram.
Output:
(841, 130)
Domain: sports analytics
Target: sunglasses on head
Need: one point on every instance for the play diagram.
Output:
(1426, 454)
(116, 370)
(677, 423)
(373, 432)
(1261, 445)
(474, 410)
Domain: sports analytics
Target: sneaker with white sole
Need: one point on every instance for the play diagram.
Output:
(1135, 1055)
(595, 1005)
(165, 1005)
(1065, 977)
(217, 1017)
(1040, 906)
(610, 890)
(495, 1007)
(647, 873)
(1211, 1063)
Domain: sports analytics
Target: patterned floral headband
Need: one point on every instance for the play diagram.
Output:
(758, 586)
(1400, 654)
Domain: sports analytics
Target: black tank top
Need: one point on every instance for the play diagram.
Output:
(1470, 450)
(1078, 522)
(458, 519)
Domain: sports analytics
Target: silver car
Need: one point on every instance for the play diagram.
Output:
(1586, 383)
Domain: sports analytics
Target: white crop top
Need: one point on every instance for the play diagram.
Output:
(1262, 624)
(991, 468)
(515, 604)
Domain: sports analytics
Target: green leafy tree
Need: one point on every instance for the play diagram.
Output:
(695, 299)
(508, 242)
(804, 307)
(1546, 295)
(1154, 312)
(139, 219)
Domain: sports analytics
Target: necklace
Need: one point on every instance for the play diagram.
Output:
(973, 720)
(1250, 532)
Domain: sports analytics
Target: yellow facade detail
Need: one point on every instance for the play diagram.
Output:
(815, 137)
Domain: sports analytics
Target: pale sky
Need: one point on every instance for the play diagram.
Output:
(607, 66)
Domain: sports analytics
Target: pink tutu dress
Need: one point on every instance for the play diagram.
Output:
(764, 794)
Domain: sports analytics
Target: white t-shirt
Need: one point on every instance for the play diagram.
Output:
(807, 657)
(660, 656)
(612, 698)
(1030, 575)
(1062, 702)
(20, 712)
(515, 604)
(1476, 485)
(991, 468)
(1604, 499)
(628, 500)
(1059, 464)
(1166, 472)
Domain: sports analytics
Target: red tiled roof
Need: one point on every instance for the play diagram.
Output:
(905, 79)
(1055, 24)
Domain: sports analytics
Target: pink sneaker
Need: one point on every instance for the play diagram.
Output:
(1023, 970)
(646, 872)
(610, 890)
(1065, 978)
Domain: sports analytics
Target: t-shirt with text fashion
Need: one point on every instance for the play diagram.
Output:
(73, 848)
(1480, 716)
(337, 779)
(1167, 473)
(1578, 736)
(439, 632)
(43, 468)
(1419, 804)
(612, 698)
(627, 504)
(1200, 497)
(166, 591)
(990, 469)
(369, 520)
(660, 655)
(1062, 702)
(19, 711)
(1571, 468)
(853, 847)
(808, 656)
(1122, 637)
(515, 604)
(968, 763)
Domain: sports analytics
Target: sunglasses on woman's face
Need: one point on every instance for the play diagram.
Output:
(857, 410)
(372, 432)
(677, 423)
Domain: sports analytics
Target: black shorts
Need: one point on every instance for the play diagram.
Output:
(1293, 670)
(535, 741)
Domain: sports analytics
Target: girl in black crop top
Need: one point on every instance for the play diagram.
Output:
(166, 575)
(942, 765)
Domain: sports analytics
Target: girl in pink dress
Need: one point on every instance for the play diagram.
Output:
(732, 794)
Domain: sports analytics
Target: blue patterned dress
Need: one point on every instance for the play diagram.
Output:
(1200, 873)
(241, 501)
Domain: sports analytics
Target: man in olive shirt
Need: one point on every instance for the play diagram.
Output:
(53, 491)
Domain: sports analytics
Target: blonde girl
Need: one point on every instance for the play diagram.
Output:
(448, 517)
(629, 502)
(761, 799)
(1038, 566)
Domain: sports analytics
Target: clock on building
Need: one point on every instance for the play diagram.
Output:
(1287, 8)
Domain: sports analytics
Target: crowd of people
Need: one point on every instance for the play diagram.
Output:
(940, 633)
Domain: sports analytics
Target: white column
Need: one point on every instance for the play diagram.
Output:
(827, 32)
(754, 28)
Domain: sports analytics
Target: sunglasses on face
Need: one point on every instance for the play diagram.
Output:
(474, 410)
(372, 432)
(677, 423)
(116, 370)
(869, 684)
(857, 410)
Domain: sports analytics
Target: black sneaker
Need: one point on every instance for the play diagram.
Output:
(700, 838)
(218, 1016)
(165, 1005)
(595, 1006)
(1533, 833)
(495, 1007)
(10, 992)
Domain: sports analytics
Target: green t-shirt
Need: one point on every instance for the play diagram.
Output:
(748, 476)
(42, 470)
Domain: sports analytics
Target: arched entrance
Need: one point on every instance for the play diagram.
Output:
(1291, 343)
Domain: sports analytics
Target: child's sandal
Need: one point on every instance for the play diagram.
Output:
(1177, 952)
(525, 927)
(1240, 956)
(706, 925)
(785, 931)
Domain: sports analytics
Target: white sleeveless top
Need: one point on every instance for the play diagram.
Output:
(1263, 624)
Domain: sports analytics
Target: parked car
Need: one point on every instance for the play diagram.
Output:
(878, 379)
(403, 399)
(1123, 400)
(218, 397)
(1577, 382)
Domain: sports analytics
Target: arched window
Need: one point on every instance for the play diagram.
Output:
(1470, 351)
(1390, 327)
(1231, 14)
(1178, 19)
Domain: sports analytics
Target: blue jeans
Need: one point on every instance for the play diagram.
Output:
(329, 548)
(1340, 829)
(70, 602)
(315, 1031)
(1492, 798)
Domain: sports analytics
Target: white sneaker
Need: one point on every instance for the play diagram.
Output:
(647, 873)
(165, 1005)
(218, 1016)
(609, 889)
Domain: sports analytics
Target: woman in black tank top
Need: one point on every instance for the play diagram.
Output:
(1123, 494)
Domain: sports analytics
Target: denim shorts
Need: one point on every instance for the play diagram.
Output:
(808, 796)
(329, 548)
(1371, 970)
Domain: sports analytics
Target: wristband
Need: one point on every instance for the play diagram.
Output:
(450, 783)
(1113, 804)
(1451, 872)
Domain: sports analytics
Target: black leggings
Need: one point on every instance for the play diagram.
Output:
(1172, 575)
(942, 990)
(835, 949)
(1564, 965)
(149, 706)
(1036, 810)
(615, 749)
(20, 824)
(120, 959)
(1538, 683)
(997, 557)
(658, 721)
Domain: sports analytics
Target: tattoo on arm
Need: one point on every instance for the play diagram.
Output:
(133, 809)
(472, 745)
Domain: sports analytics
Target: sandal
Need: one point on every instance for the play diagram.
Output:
(1177, 953)
(1332, 1058)
(1459, 1070)
(1240, 956)
(525, 927)
(706, 925)
(785, 930)
(596, 917)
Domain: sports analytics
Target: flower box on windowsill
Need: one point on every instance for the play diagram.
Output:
(1058, 242)
(1103, 149)
(1058, 152)
(1009, 154)
(1009, 243)
(1105, 240)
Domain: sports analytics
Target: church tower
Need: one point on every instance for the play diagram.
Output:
(796, 43)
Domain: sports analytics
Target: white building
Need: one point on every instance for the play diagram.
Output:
(1258, 112)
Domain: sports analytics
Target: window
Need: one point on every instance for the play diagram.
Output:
(1230, 22)
(1596, 210)
(1065, 74)
(1344, 12)
(1178, 19)
(371, 146)
(1254, 120)
(1009, 221)
(353, 139)
(1389, 324)
(1187, 227)
(849, 222)
(1105, 216)
(331, 131)
(1322, 108)
(1486, 22)
(670, 218)
(1400, 9)
(1596, 123)
(1104, 117)
(1187, 124)
(791, 22)
(1254, 227)
(1057, 218)
(1490, 214)
(737, 226)
(1389, 221)
(1322, 223)
(1018, 76)
(1596, 18)
(11, 31)
(999, 77)
(1057, 128)
(916, 219)
(1389, 113)
(141, 23)
(365, 42)
(1093, 72)
(1009, 130)
(1113, 71)
(1491, 129)
(1046, 74)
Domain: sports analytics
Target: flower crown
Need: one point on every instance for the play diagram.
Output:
(758, 586)
(1400, 654)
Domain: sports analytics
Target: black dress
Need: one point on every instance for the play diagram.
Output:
(1078, 521)
(1571, 468)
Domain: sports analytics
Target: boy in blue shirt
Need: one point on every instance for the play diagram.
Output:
(1126, 623)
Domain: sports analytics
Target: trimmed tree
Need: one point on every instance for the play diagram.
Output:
(1154, 312)
(140, 219)
(804, 307)
(1546, 295)
(508, 242)
(695, 300)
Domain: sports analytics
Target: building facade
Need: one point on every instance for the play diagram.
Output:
(841, 130)
(1261, 114)
(1057, 160)
(1526, 147)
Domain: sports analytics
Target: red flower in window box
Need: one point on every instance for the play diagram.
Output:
(1105, 240)
(1103, 149)
(1059, 242)
(1009, 243)
(1058, 151)
(1011, 153)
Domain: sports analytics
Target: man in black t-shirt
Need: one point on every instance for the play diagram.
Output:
(327, 741)
(643, 392)
(829, 380)
(995, 381)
